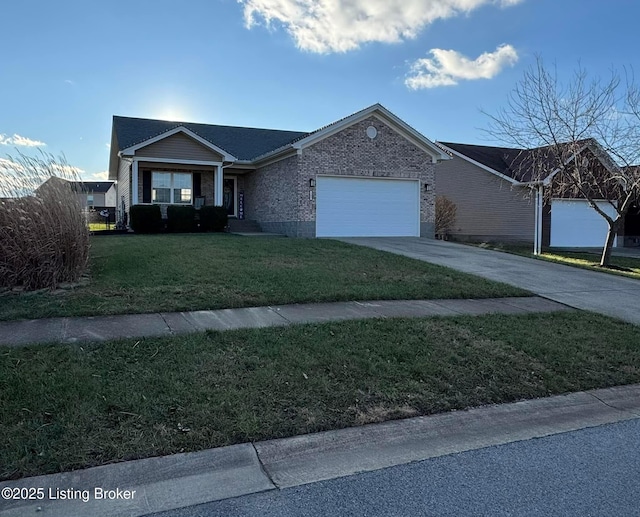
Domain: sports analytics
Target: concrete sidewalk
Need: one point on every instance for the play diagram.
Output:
(103, 328)
(141, 487)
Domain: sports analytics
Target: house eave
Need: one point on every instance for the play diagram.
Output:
(480, 165)
(384, 115)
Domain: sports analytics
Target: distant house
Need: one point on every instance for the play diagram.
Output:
(96, 194)
(368, 174)
(498, 199)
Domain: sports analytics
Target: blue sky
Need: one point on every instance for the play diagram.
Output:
(68, 66)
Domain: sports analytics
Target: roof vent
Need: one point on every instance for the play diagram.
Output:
(372, 132)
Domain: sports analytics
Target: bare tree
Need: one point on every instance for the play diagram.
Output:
(445, 216)
(581, 139)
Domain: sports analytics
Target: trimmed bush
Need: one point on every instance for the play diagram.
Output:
(146, 218)
(181, 219)
(213, 218)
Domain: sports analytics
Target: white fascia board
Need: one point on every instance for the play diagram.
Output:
(180, 129)
(175, 160)
(482, 166)
(242, 165)
(385, 116)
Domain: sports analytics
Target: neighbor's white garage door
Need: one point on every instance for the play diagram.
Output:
(575, 224)
(367, 207)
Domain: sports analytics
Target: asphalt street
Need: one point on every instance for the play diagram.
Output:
(591, 472)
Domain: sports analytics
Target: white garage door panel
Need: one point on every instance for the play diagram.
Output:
(365, 207)
(575, 224)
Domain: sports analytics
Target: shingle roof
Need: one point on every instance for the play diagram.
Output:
(522, 165)
(244, 143)
(500, 159)
(98, 187)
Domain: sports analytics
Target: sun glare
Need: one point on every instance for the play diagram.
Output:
(172, 113)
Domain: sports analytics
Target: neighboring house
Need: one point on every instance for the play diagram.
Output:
(369, 174)
(497, 199)
(91, 194)
(96, 194)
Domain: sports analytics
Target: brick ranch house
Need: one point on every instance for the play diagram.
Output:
(369, 174)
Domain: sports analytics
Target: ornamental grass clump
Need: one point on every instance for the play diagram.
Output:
(44, 238)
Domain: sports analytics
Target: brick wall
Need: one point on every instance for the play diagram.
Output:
(270, 192)
(277, 195)
(352, 153)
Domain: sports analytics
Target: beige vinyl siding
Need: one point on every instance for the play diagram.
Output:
(179, 147)
(488, 208)
(124, 184)
(98, 199)
(110, 197)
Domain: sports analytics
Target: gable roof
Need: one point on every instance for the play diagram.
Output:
(517, 165)
(244, 143)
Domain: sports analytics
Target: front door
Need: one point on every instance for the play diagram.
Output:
(229, 196)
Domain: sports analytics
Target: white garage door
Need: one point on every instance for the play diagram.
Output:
(366, 207)
(575, 224)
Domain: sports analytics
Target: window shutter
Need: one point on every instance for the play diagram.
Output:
(197, 184)
(146, 186)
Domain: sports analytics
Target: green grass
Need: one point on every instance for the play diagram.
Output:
(70, 406)
(623, 266)
(149, 273)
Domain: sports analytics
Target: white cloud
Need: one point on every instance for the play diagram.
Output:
(21, 141)
(447, 67)
(325, 26)
(96, 176)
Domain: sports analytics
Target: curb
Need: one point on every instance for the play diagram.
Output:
(181, 480)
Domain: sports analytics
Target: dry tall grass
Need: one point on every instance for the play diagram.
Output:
(44, 239)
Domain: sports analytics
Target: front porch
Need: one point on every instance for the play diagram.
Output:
(165, 184)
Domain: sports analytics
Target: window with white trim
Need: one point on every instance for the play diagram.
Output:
(171, 187)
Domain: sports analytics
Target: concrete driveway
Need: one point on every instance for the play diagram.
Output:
(589, 290)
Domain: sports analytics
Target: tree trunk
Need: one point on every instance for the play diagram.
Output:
(611, 235)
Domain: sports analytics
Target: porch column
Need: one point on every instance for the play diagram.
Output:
(134, 183)
(217, 188)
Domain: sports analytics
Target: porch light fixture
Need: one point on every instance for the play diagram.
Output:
(312, 183)
(427, 187)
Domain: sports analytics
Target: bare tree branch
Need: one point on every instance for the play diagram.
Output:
(581, 139)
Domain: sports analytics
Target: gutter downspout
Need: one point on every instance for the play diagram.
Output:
(535, 225)
(538, 233)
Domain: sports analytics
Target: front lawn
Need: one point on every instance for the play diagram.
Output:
(624, 266)
(150, 273)
(70, 406)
